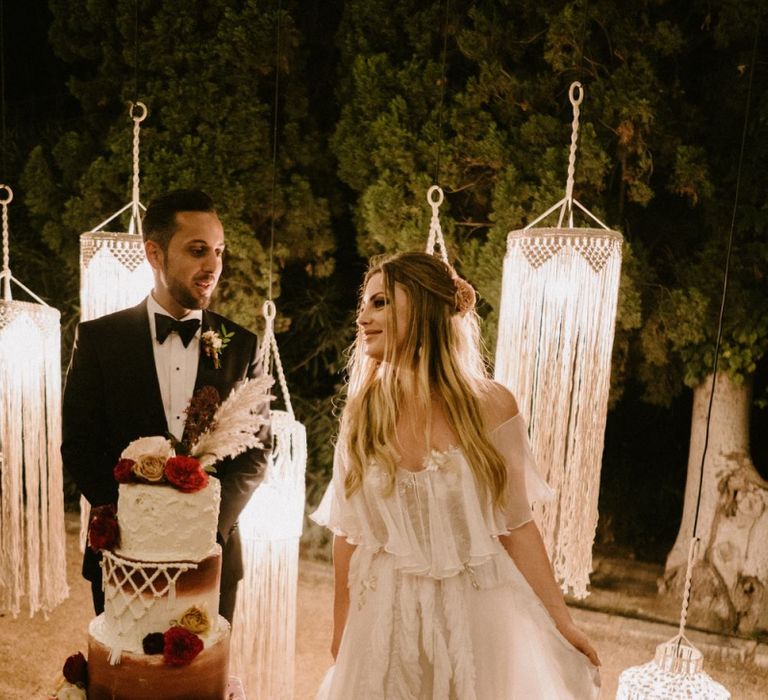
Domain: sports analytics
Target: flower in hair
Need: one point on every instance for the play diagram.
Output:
(464, 297)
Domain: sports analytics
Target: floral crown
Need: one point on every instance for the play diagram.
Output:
(465, 297)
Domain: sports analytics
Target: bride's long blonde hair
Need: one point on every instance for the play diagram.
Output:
(440, 355)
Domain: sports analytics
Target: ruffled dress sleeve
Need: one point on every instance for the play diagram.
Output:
(525, 485)
(336, 512)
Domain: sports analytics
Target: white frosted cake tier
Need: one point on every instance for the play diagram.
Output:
(159, 523)
(144, 597)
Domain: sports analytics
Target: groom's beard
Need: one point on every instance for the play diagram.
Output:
(184, 296)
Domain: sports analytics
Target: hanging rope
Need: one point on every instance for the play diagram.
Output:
(435, 195)
(568, 201)
(274, 146)
(6, 249)
(270, 352)
(2, 86)
(135, 224)
(136, 207)
(435, 231)
(6, 275)
(720, 322)
(264, 634)
(442, 94)
(575, 102)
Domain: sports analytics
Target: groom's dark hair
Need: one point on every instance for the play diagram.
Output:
(159, 223)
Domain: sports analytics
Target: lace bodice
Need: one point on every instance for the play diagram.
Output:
(437, 521)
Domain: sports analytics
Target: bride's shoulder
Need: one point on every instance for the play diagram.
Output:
(497, 404)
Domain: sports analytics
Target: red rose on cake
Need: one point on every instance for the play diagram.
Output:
(186, 474)
(180, 646)
(123, 471)
(103, 530)
(76, 669)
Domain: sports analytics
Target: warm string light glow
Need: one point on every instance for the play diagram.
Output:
(264, 630)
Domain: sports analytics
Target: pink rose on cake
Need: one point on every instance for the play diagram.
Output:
(181, 646)
(155, 446)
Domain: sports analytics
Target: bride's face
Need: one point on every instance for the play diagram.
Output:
(375, 309)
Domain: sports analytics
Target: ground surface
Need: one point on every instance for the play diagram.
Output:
(32, 650)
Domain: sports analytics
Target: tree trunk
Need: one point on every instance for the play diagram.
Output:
(730, 578)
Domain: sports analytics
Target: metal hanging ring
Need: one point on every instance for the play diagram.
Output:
(431, 191)
(575, 101)
(269, 310)
(10, 194)
(142, 114)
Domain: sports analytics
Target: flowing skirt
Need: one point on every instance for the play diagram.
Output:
(412, 637)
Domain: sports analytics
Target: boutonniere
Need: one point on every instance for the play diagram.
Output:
(214, 344)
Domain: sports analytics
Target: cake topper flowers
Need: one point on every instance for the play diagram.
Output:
(214, 431)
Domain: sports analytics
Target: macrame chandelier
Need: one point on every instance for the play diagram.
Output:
(677, 671)
(556, 325)
(114, 272)
(32, 540)
(264, 629)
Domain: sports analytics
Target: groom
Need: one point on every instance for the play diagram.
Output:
(133, 373)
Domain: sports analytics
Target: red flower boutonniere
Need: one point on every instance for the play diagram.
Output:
(214, 343)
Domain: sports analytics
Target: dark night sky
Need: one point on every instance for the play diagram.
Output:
(35, 80)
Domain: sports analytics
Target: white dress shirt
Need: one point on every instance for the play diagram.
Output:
(176, 367)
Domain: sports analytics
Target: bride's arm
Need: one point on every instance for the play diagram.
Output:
(525, 546)
(342, 553)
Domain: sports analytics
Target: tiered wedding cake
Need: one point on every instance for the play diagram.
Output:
(160, 636)
(162, 579)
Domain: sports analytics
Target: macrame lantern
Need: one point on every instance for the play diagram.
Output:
(32, 544)
(114, 272)
(264, 630)
(556, 325)
(677, 670)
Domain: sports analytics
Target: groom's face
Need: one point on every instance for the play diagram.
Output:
(187, 273)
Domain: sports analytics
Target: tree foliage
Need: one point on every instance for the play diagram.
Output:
(654, 73)
(207, 73)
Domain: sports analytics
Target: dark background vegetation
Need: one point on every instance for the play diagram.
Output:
(375, 102)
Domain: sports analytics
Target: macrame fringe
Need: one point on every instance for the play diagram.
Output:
(556, 328)
(264, 630)
(114, 273)
(32, 539)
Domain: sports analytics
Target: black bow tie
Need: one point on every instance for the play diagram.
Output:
(165, 325)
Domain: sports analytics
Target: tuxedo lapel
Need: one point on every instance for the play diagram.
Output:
(139, 361)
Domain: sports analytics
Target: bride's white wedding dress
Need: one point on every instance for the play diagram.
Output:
(438, 610)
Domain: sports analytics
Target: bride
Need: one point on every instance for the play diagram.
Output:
(443, 588)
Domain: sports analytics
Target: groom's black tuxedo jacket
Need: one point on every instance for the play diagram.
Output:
(112, 397)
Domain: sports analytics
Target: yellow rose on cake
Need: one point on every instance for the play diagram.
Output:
(195, 620)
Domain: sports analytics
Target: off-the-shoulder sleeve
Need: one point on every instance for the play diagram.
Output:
(525, 485)
(336, 511)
